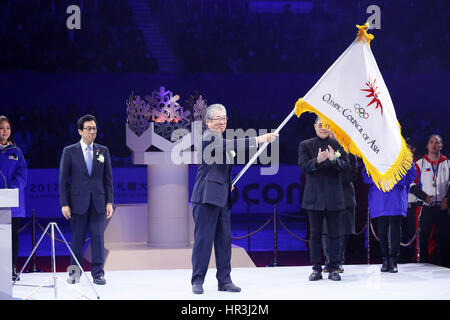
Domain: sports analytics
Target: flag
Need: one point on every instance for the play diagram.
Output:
(354, 102)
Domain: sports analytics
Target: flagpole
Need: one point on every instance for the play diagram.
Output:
(255, 156)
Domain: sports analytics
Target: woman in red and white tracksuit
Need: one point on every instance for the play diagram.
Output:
(432, 187)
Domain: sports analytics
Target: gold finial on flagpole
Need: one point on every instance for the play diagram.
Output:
(362, 33)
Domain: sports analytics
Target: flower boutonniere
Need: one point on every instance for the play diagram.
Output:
(337, 154)
(100, 157)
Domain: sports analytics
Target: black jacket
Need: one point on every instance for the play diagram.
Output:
(213, 183)
(348, 177)
(323, 189)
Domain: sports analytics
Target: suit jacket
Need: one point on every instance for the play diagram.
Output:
(348, 177)
(323, 189)
(213, 183)
(76, 187)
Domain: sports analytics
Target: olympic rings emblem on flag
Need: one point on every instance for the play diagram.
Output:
(361, 111)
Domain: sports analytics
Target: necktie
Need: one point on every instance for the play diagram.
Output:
(89, 159)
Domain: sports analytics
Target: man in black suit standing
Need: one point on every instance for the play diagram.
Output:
(211, 199)
(323, 196)
(86, 195)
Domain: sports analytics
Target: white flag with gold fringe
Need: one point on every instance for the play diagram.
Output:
(354, 102)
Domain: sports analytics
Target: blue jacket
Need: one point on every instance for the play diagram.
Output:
(392, 203)
(13, 174)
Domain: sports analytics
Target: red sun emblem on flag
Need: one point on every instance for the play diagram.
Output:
(373, 93)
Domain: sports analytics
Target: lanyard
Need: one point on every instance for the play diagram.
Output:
(435, 168)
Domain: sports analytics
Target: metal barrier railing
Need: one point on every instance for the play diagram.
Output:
(275, 218)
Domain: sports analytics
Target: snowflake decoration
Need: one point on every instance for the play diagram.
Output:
(200, 108)
(198, 104)
(165, 108)
(138, 114)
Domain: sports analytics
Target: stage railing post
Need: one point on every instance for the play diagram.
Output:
(275, 262)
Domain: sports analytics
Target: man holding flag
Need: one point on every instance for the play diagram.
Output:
(211, 199)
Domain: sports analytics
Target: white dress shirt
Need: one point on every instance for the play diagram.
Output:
(84, 146)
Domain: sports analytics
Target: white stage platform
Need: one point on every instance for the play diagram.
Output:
(359, 282)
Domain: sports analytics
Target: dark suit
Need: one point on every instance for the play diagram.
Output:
(348, 215)
(211, 204)
(87, 197)
(323, 196)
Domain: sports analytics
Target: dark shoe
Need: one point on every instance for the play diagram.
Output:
(334, 275)
(340, 268)
(385, 265)
(100, 280)
(393, 265)
(325, 269)
(72, 279)
(316, 275)
(197, 289)
(230, 287)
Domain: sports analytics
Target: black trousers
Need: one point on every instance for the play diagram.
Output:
(333, 219)
(15, 226)
(440, 218)
(212, 226)
(394, 224)
(347, 227)
(343, 240)
(80, 224)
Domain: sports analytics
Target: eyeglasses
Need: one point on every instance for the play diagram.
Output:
(320, 125)
(90, 129)
(219, 119)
